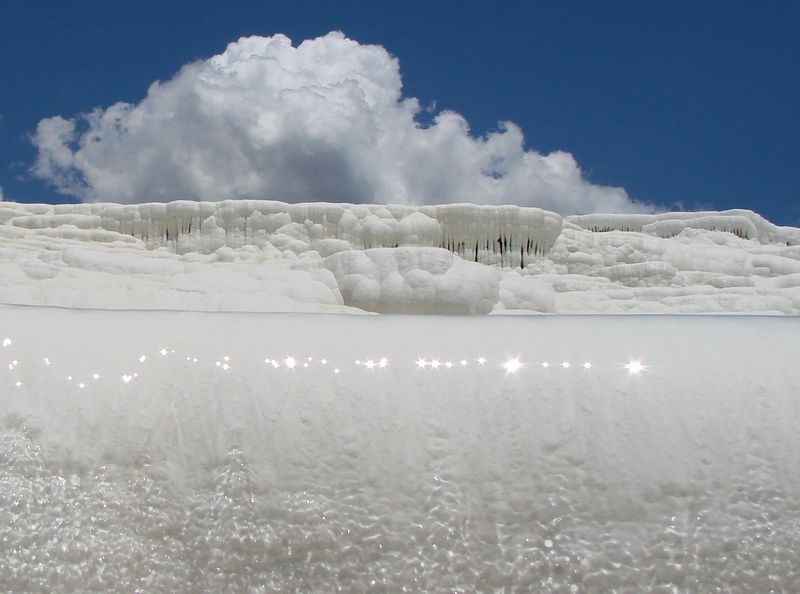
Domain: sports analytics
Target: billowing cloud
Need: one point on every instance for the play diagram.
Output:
(325, 120)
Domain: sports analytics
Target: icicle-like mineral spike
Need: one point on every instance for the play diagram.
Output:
(495, 235)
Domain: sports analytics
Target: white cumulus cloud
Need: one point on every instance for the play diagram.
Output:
(325, 120)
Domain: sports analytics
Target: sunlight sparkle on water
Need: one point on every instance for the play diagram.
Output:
(635, 367)
(511, 366)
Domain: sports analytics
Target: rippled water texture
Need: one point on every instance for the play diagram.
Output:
(234, 459)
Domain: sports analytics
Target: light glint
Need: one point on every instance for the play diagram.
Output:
(545, 364)
(566, 365)
(512, 365)
(143, 358)
(481, 360)
(435, 364)
(290, 362)
(464, 363)
(587, 365)
(448, 364)
(163, 352)
(18, 384)
(95, 376)
(46, 361)
(6, 342)
(370, 364)
(422, 363)
(324, 361)
(383, 362)
(336, 371)
(635, 367)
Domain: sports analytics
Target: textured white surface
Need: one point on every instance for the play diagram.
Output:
(178, 451)
(321, 257)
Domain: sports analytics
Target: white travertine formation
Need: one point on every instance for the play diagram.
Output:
(219, 452)
(185, 451)
(743, 223)
(457, 259)
(497, 235)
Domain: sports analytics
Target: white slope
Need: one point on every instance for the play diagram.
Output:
(459, 259)
(186, 451)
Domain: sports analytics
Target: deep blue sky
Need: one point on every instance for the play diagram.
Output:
(696, 104)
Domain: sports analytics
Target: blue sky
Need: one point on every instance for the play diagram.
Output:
(689, 104)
